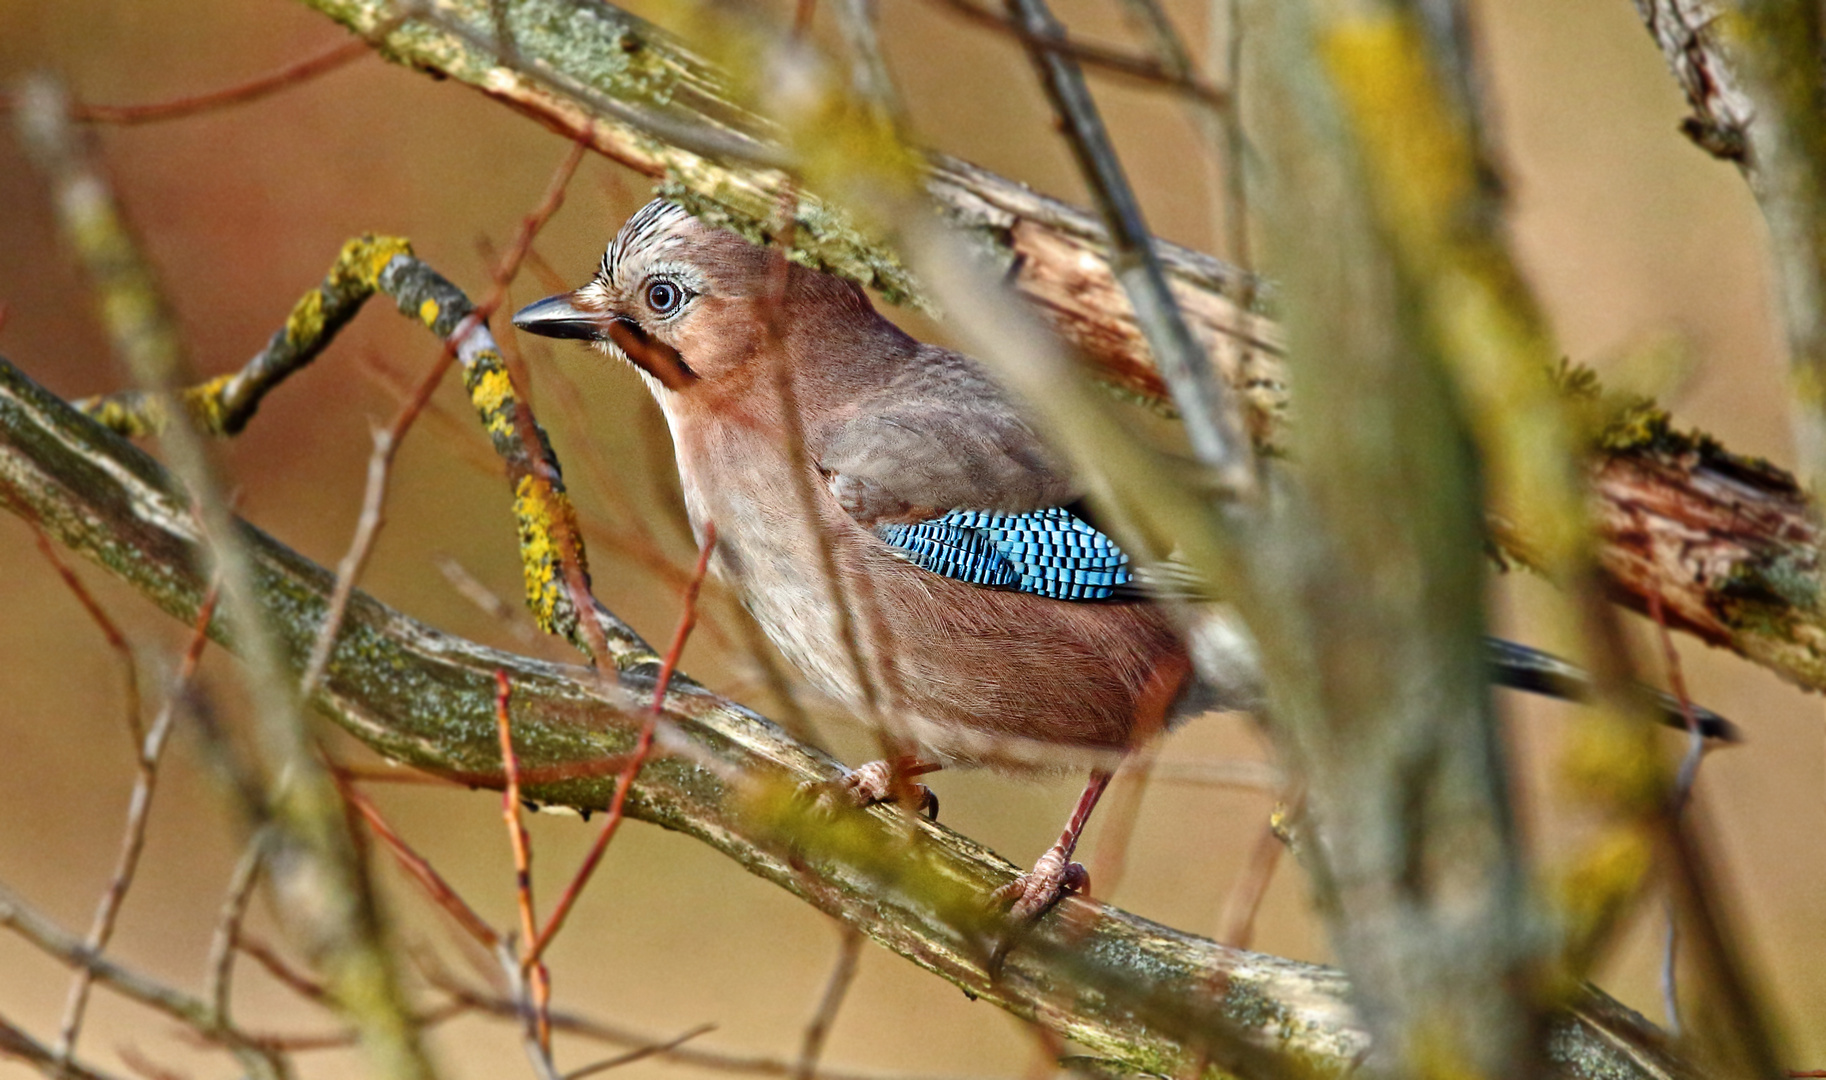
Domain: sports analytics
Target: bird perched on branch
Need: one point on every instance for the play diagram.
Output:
(896, 527)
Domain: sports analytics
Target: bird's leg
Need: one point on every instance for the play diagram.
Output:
(886, 781)
(1055, 875)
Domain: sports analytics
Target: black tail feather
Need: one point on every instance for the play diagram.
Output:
(1523, 668)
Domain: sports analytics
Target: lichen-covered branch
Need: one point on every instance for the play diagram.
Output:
(1751, 70)
(383, 264)
(1127, 988)
(1059, 260)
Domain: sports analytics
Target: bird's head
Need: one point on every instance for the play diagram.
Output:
(690, 305)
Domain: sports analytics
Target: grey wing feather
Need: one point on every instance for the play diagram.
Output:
(941, 437)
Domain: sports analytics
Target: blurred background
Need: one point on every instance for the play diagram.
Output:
(1647, 254)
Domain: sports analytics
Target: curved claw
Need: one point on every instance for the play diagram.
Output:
(1051, 880)
(869, 784)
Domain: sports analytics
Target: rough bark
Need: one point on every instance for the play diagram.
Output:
(577, 58)
(1148, 996)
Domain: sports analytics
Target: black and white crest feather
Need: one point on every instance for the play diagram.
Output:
(647, 233)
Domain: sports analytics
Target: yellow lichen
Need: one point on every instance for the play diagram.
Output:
(541, 511)
(491, 391)
(206, 404)
(305, 323)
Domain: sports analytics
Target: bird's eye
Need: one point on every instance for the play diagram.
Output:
(665, 297)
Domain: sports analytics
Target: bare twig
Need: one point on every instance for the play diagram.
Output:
(639, 1053)
(288, 976)
(836, 987)
(386, 443)
(16, 1044)
(1058, 43)
(285, 78)
(107, 501)
(643, 746)
(1236, 927)
(487, 600)
(228, 924)
(1684, 780)
(116, 640)
(193, 1013)
(539, 984)
(669, 1050)
(532, 1006)
(1211, 425)
(133, 1058)
(418, 868)
(139, 807)
(324, 885)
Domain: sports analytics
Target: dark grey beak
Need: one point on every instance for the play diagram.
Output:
(558, 317)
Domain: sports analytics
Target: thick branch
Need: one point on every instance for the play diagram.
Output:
(1751, 70)
(1125, 987)
(575, 54)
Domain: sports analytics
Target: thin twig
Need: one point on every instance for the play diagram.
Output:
(1211, 427)
(16, 1044)
(533, 1009)
(1683, 790)
(387, 443)
(598, 1031)
(228, 923)
(291, 75)
(1236, 927)
(643, 746)
(818, 1029)
(116, 640)
(194, 1013)
(639, 1053)
(288, 976)
(1058, 43)
(139, 808)
(540, 983)
(416, 866)
(133, 1058)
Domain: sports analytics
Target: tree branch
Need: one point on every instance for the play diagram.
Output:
(1125, 987)
(1757, 593)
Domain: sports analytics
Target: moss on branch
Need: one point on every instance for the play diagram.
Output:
(1127, 988)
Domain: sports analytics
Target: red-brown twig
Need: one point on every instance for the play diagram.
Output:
(639, 1053)
(116, 640)
(417, 866)
(291, 978)
(133, 1058)
(286, 77)
(387, 443)
(139, 807)
(642, 748)
(818, 1029)
(540, 980)
(392, 773)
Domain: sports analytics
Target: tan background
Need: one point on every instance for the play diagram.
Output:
(1631, 235)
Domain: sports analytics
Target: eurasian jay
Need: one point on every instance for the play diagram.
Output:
(984, 608)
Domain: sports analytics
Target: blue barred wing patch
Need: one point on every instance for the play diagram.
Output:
(1050, 552)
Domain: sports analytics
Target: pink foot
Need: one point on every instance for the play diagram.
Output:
(872, 783)
(1052, 879)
